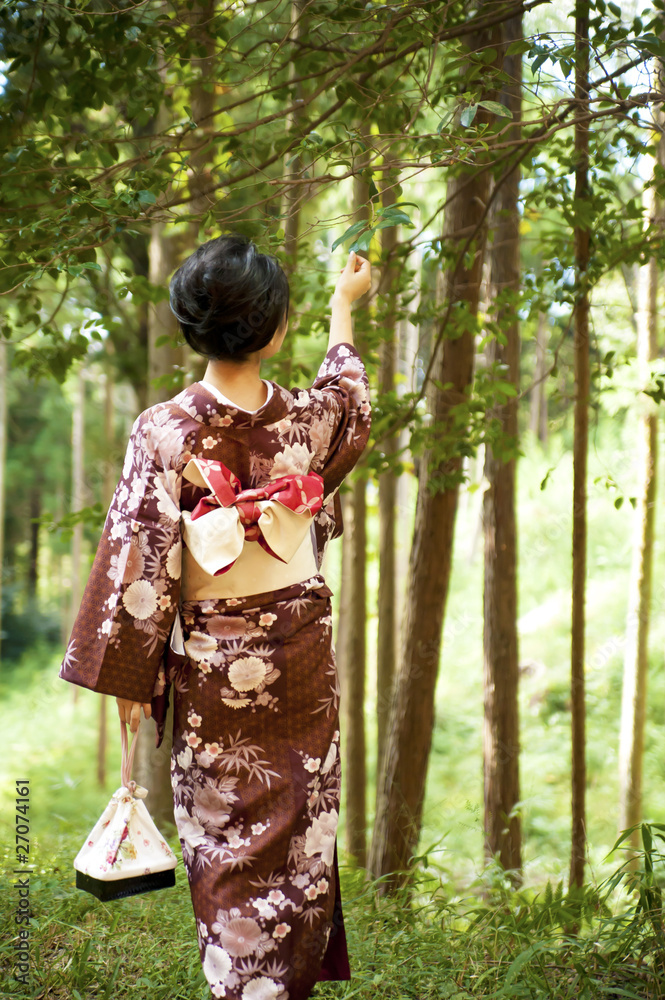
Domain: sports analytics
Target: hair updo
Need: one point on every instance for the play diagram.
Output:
(229, 299)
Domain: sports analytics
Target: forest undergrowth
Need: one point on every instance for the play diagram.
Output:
(453, 938)
(601, 941)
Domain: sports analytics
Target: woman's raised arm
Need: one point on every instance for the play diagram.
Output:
(353, 282)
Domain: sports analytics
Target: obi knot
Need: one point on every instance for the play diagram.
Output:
(227, 515)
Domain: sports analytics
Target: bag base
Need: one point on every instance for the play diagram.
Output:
(119, 888)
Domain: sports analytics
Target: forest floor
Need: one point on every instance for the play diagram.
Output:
(496, 944)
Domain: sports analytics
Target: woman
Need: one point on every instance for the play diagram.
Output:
(245, 473)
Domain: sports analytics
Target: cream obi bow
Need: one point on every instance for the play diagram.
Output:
(277, 515)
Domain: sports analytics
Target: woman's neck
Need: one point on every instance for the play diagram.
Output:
(238, 381)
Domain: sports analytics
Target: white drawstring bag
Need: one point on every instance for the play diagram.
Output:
(125, 854)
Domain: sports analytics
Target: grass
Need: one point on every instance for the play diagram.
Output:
(490, 943)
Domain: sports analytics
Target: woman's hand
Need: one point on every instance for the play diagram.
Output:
(130, 711)
(355, 279)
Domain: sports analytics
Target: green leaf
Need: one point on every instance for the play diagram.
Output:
(394, 219)
(646, 837)
(467, 116)
(496, 109)
(505, 388)
(518, 47)
(363, 243)
(146, 198)
(397, 207)
(353, 230)
(445, 121)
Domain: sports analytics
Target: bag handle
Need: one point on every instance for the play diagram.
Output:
(127, 757)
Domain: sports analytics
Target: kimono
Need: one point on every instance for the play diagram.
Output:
(207, 582)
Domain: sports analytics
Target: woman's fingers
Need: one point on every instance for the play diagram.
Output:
(130, 712)
(135, 716)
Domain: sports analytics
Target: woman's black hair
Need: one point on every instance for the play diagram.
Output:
(229, 299)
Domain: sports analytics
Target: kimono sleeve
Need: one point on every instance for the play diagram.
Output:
(342, 426)
(131, 598)
(343, 390)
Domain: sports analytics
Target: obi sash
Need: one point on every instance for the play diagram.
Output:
(241, 542)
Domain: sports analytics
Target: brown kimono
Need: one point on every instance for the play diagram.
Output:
(256, 762)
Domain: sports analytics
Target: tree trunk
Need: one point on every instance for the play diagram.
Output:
(152, 766)
(344, 591)
(78, 494)
(294, 194)
(293, 197)
(165, 357)
(387, 598)
(102, 740)
(3, 471)
(33, 556)
(167, 250)
(354, 675)
(108, 487)
(411, 720)
(355, 653)
(580, 450)
(538, 407)
(635, 668)
(501, 722)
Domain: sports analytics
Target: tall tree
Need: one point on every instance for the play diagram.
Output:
(356, 625)
(3, 455)
(635, 668)
(166, 359)
(387, 597)
(501, 721)
(580, 444)
(78, 491)
(107, 495)
(293, 196)
(411, 721)
(538, 401)
(355, 673)
(165, 356)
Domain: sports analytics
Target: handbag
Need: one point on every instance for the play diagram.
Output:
(124, 854)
